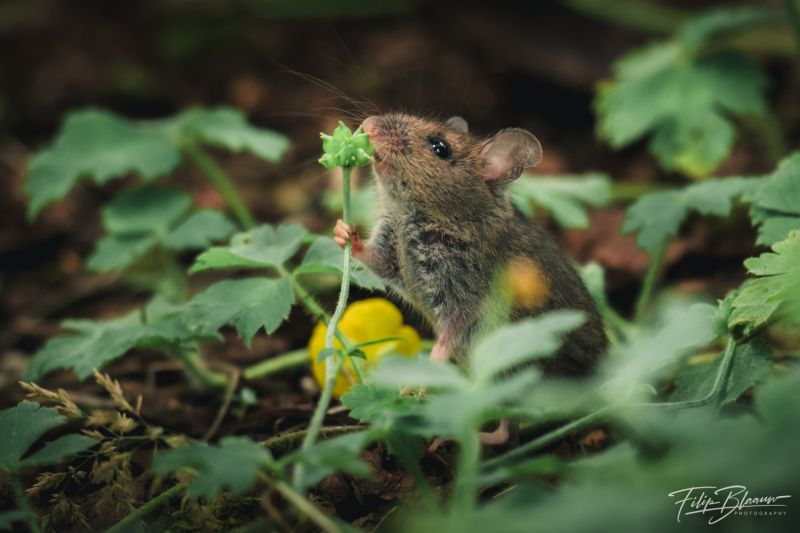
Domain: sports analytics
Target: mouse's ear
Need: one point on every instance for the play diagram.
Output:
(458, 124)
(508, 154)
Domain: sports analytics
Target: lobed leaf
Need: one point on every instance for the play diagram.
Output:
(339, 454)
(102, 145)
(23, 425)
(199, 230)
(658, 216)
(776, 202)
(562, 196)
(234, 465)
(399, 372)
(247, 304)
(780, 278)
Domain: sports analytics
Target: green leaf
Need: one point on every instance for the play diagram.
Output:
(562, 196)
(780, 277)
(228, 128)
(776, 202)
(247, 304)
(399, 372)
(220, 257)
(516, 344)
(366, 403)
(199, 230)
(324, 256)
(234, 465)
(94, 345)
(268, 246)
(8, 518)
(328, 352)
(137, 220)
(751, 365)
(720, 22)
(658, 216)
(102, 145)
(339, 454)
(23, 425)
(683, 100)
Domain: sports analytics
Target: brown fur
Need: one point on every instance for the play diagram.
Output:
(450, 242)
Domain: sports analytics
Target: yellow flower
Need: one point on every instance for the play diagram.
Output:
(364, 321)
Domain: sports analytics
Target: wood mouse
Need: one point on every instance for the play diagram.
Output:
(449, 240)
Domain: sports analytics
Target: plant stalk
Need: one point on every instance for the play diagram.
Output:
(319, 415)
(303, 505)
(276, 364)
(649, 280)
(466, 490)
(146, 509)
(23, 502)
(221, 181)
(189, 356)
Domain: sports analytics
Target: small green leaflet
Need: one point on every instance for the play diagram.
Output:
(519, 343)
(776, 202)
(751, 365)
(247, 304)
(23, 425)
(139, 219)
(95, 343)
(398, 372)
(562, 196)
(683, 97)
(102, 145)
(366, 403)
(658, 216)
(234, 465)
(324, 256)
(721, 22)
(261, 247)
(779, 282)
(339, 454)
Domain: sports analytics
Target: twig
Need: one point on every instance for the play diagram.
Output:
(226, 403)
(147, 508)
(303, 505)
(276, 364)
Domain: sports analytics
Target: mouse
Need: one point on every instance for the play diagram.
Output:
(450, 241)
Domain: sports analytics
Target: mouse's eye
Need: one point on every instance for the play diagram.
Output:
(440, 148)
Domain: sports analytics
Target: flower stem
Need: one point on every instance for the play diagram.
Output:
(649, 280)
(466, 490)
(337, 315)
(23, 502)
(146, 509)
(319, 415)
(276, 364)
(221, 181)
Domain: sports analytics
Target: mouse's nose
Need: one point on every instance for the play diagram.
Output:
(370, 125)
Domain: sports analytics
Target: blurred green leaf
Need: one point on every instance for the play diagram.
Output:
(247, 304)
(100, 144)
(562, 196)
(780, 277)
(268, 246)
(721, 22)
(776, 202)
(682, 98)
(23, 425)
(658, 216)
(234, 465)
(8, 518)
(366, 403)
(751, 365)
(228, 128)
(398, 372)
(324, 256)
(516, 344)
(339, 454)
(199, 230)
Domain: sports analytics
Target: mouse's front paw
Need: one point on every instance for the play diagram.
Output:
(344, 233)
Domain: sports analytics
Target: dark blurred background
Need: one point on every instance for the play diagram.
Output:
(300, 66)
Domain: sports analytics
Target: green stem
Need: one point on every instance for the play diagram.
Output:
(189, 356)
(553, 436)
(220, 180)
(343, 293)
(290, 439)
(649, 280)
(276, 364)
(303, 505)
(318, 417)
(322, 316)
(175, 277)
(716, 390)
(794, 18)
(146, 509)
(23, 502)
(467, 481)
